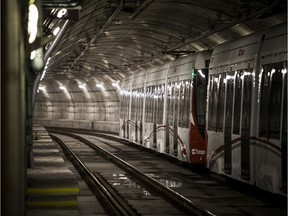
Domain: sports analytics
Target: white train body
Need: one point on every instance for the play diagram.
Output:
(247, 110)
(156, 109)
(234, 122)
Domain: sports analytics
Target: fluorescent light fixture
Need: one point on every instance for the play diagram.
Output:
(62, 87)
(42, 88)
(61, 12)
(32, 54)
(115, 84)
(32, 22)
(56, 31)
(82, 86)
(100, 85)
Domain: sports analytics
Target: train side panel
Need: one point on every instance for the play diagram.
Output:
(271, 149)
(136, 107)
(154, 105)
(161, 111)
(179, 87)
(125, 106)
(197, 132)
(231, 92)
(247, 110)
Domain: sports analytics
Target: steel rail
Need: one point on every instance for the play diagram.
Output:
(180, 202)
(114, 204)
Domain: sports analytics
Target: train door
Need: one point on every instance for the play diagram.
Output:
(124, 113)
(132, 119)
(171, 126)
(159, 119)
(245, 125)
(198, 110)
(228, 122)
(154, 114)
(175, 118)
(141, 98)
(138, 114)
(168, 117)
(273, 125)
(149, 116)
(284, 135)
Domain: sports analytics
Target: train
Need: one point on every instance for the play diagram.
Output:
(223, 109)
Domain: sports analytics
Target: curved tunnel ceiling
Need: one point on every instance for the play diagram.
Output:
(115, 38)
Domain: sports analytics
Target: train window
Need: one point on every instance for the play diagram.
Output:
(171, 103)
(188, 99)
(200, 92)
(138, 105)
(124, 104)
(221, 102)
(133, 105)
(271, 100)
(229, 101)
(247, 98)
(156, 104)
(284, 135)
(213, 101)
(176, 105)
(284, 129)
(181, 104)
(121, 106)
(184, 104)
(161, 103)
(147, 102)
(152, 104)
(168, 102)
(237, 103)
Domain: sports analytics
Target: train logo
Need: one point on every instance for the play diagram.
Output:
(197, 152)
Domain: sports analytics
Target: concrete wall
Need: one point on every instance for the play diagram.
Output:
(65, 104)
(85, 124)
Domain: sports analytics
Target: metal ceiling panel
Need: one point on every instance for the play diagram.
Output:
(113, 37)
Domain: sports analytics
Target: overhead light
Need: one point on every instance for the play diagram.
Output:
(115, 84)
(32, 54)
(32, 23)
(100, 85)
(62, 13)
(82, 86)
(56, 31)
(63, 88)
(42, 88)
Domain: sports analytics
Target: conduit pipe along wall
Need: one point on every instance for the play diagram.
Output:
(46, 56)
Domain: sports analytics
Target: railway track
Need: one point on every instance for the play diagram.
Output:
(180, 190)
(182, 204)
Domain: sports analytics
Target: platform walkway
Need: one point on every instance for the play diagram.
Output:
(52, 188)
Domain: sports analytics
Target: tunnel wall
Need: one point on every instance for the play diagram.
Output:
(85, 124)
(73, 107)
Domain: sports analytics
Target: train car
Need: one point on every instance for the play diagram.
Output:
(247, 110)
(125, 106)
(159, 108)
